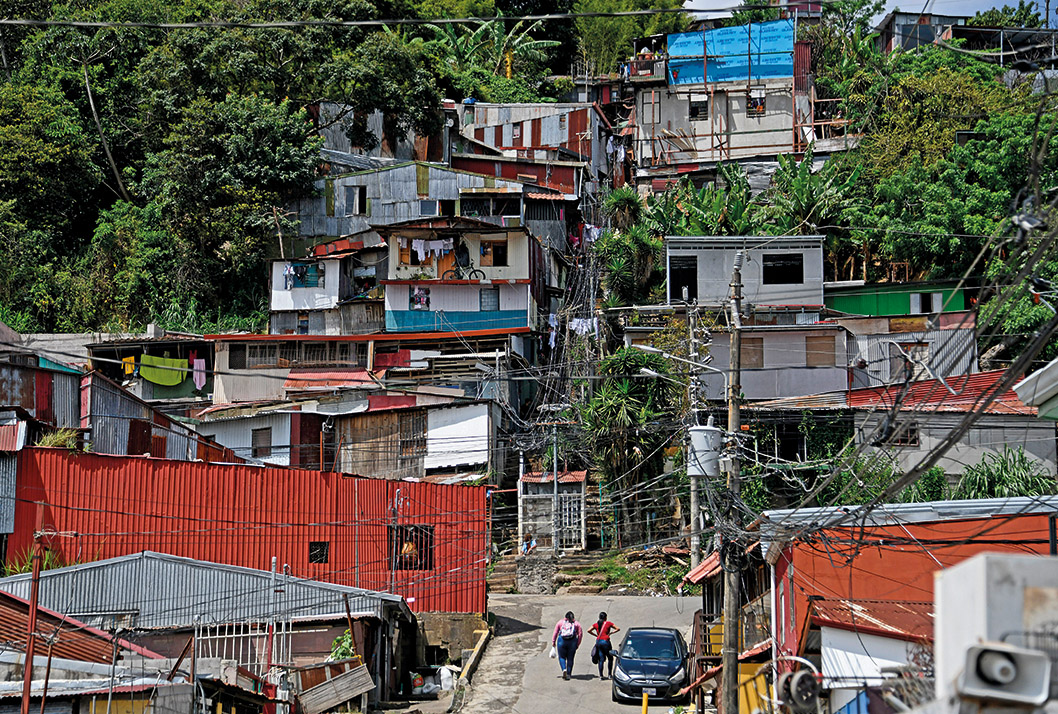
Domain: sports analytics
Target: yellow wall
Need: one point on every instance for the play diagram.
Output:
(753, 691)
(139, 705)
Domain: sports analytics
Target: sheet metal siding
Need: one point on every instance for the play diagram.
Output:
(244, 515)
(951, 352)
(8, 479)
(48, 395)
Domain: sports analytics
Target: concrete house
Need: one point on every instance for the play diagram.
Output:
(779, 271)
(453, 274)
(537, 503)
(334, 290)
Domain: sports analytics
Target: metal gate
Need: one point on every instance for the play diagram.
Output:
(249, 643)
(570, 520)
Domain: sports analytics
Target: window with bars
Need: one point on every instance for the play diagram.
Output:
(261, 442)
(261, 355)
(412, 434)
(411, 547)
(489, 299)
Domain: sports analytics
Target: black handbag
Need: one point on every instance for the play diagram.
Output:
(595, 654)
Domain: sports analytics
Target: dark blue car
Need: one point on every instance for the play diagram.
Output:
(651, 660)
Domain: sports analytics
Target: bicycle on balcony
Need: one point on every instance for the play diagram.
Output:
(463, 270)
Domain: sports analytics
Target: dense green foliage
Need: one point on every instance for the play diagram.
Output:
(628, 423)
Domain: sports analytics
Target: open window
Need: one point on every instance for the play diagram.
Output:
(356, 201)
(299, 274)
(409, 256)
(783, 269)
(493, 253)
(411, 547)
(683, 274)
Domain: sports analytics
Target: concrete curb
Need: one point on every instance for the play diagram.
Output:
(475, 657)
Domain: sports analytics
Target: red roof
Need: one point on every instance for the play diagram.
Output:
(931, 395)
(899, 619)
(342, 245)
(73, 639)
(704, 570)
(563, 477)
(306, 379)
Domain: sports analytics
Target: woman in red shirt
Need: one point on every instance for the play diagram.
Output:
(603, 649)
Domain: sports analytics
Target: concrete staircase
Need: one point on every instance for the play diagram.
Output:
(503, 578)
(571, 582)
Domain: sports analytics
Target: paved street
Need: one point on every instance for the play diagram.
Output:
(516, 674)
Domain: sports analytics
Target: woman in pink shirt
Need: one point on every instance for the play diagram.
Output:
(603, 649)
(566, 639)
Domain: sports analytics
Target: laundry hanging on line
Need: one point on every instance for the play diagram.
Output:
(583, 325)
(163, 370)
(198, 373)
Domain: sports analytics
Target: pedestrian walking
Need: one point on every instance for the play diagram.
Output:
(566, 639)
(602, 653)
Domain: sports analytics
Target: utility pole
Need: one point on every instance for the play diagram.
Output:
(31, 625)
(692, 420)
(554, 497)
(729, 650)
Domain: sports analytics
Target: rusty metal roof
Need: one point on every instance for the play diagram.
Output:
(563, 477)
(924, 395)
(932, 395)
(306, 379)
(73, 639)
(900, 619)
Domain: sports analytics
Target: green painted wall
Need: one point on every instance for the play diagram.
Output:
(886, 300)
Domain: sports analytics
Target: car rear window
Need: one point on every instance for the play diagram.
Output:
(653, 646)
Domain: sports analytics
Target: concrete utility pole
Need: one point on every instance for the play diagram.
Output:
(554, 501)
(729, 650)
(692, 420)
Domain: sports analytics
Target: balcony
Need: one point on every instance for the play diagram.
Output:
(648, 69)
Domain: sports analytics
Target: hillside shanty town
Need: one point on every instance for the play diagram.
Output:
(572, 356)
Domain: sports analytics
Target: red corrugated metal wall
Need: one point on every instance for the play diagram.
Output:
(244, 515)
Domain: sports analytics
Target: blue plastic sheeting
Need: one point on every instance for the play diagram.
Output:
(764, 49)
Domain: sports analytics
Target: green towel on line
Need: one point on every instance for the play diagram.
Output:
(162, 370)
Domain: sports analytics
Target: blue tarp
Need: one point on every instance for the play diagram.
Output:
(764, 48)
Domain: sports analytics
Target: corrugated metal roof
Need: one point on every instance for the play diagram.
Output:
(932, 395)
(903, 620)
(304, 379)
(70, 638)
(13, 436)
(548, 477)
(778, 525)
(152, 590)
(829, 400)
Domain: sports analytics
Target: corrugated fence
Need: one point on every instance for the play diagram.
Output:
(424, 541)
